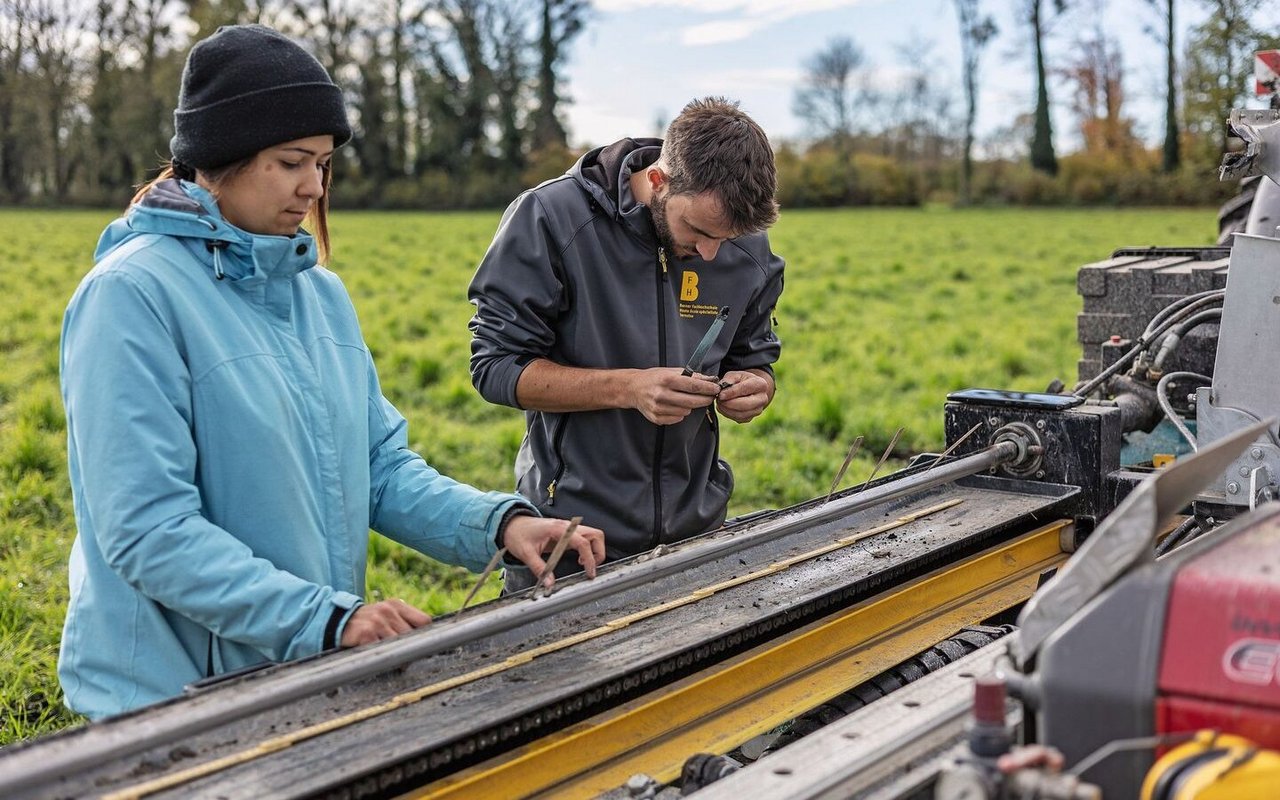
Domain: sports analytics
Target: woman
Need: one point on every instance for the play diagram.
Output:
(229, 445)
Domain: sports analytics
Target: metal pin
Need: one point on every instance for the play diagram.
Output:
(542, 589)
(883, 458)
(953, 447)
(484, 576)
(853, 450)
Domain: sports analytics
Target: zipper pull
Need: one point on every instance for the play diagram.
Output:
(551, 493)
(662, 260)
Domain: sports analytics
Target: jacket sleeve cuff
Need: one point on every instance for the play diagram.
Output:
(515, 510)
(344, 605)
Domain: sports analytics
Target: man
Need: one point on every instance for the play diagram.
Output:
(597, 288)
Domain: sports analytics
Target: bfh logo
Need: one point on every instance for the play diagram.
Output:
(688, 286)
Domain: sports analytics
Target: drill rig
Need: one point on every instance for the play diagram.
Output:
(865, 618)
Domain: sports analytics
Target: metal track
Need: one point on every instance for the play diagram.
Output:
(485, 686)
(900, 740)
(720, 708)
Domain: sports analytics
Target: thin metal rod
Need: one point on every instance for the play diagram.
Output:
(848, 459)
(892, 444)
(167, 722)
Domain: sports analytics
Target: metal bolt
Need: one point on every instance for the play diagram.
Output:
(1039, 424)
(1244, 472)
(994, 422)
(1039, 473)
(638, 785)
(1233, 487)
(1256, 453)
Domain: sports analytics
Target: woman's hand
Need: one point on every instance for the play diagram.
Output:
(378, 621)
(528, 538)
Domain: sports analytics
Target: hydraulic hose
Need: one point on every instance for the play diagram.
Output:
(1162, 390)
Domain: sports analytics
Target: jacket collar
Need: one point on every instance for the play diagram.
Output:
(605, 174)
(187, 211)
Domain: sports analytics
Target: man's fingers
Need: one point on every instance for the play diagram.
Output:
(687, 384)
(660, 418)
(698, 385)
(683, 401)
(754, 401)
(742, 385)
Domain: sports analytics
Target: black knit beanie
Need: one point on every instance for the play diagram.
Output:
(247, 88)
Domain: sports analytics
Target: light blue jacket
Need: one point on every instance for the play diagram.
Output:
(229, 449)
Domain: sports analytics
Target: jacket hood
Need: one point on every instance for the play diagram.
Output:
(187, 211)
(604, 174)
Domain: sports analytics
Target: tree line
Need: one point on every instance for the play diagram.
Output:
(459, 103)
(911, 142)
(454, 102)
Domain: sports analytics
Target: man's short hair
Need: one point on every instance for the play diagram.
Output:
(712, 146)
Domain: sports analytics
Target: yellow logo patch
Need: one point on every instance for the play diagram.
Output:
(689, 286)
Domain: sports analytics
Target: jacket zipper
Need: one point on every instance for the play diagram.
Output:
(661, 432)
(557, 440)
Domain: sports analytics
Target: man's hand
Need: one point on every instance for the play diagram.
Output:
(528, 538)
(748, 393)
(665, 396)
(378, 621)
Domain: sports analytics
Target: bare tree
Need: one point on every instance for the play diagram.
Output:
(510, 79)
(1097, 73)
(151, 23)
(55, 44)
(405, 17)
(826, 100)
(446, 92)
(976, 31)
(15, 41)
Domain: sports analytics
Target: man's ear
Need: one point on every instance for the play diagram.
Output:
(657, 178)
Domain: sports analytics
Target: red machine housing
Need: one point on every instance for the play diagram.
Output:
(1220, 663)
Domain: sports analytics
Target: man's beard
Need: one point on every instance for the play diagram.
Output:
(658, 213)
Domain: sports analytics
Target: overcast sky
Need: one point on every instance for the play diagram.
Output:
(639, 61)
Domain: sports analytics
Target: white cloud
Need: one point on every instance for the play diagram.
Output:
(733, 20)
(751, 8)
(719, 32)
(735, 80)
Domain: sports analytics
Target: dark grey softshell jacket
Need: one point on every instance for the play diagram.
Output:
(572, 278)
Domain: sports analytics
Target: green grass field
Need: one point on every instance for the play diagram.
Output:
(885, 311)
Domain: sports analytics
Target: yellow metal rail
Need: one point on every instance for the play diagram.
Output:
(723, 706)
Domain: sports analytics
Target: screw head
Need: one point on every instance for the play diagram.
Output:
(1244, 472)
(1039, 424)
(1256, 453)
(1039, 473)
(1233, 488)
(994, 422)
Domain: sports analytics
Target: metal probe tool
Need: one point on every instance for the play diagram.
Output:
(709, 338)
